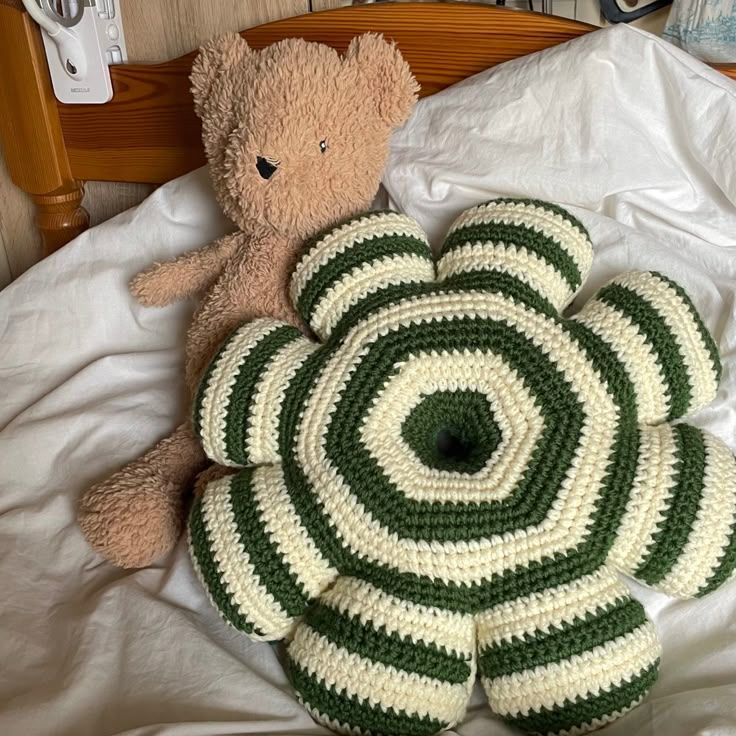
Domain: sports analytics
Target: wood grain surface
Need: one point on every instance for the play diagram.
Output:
(148, 132)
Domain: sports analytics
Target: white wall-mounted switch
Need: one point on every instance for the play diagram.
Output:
(82, 38)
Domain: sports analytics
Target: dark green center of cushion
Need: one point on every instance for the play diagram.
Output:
(453, 431)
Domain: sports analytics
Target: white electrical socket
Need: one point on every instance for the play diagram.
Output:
(100, 33)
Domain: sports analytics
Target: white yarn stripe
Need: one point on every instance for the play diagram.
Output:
(454, 632)
(262, 440)
(667, 303)
(553, 607)
(367, 279)
(635, 354)
(378, 684)
(331, 723)
(516, 261)
(653, 486)
(597, 723)
(285, 529)
(563, 528)
(348, 236)
(711, 531)
(236, 571)
(554, 226)
(215, 403)
(582, 675)
(515, 412)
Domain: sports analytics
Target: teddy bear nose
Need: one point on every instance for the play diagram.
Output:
(265, 167)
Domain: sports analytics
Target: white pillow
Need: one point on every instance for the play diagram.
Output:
(617, 122)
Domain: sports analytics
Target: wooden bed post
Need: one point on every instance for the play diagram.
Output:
(31, 133)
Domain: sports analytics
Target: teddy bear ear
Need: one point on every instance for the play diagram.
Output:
(387, 76)
(214, 60)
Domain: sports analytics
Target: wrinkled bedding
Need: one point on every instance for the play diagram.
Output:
(641, 152)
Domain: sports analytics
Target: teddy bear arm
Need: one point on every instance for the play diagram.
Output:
(364, 659)
(190, 273)
(678, 533)
(237, 405)
(253, 555)
(571, 657)
(532, 251)
(655, 332)
(370, 260)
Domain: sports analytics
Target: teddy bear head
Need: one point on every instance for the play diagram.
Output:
(295, 134)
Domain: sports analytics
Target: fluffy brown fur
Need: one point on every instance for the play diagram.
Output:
(284, 104)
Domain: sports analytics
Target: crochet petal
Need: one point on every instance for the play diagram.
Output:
(253, 555)
(340, 269)
(237, 405)
(364, 660)
(518, 245)
(679, 529)
(570, 659)
(658, 336)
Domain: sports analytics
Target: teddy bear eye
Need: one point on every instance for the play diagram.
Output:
(323, 146)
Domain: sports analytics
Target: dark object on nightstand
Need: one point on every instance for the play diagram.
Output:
(613, 12)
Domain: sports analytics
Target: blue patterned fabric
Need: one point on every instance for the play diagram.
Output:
(704, 28)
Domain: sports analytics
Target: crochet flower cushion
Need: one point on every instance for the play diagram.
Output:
(449, 482)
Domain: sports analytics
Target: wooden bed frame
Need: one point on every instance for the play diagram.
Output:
(149, 133)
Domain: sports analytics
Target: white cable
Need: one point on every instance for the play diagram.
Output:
(50, 26)
(71, 53)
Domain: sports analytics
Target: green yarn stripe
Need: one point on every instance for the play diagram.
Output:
(241, 396)
(562, 642)
(370, 251)
(270, 568)
(726, 566)
(389, 648)
(585, 710)
(201, 549)
(519, 236)
(664, 344)
(707, 339)
(465, 418)
(338, 706)
(669, 541)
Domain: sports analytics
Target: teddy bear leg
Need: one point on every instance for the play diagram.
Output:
(363, 659)
(136, 515)
(572, 657)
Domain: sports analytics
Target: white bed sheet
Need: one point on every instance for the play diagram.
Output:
(637, 138)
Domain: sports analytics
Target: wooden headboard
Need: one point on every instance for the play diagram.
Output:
(149, 133)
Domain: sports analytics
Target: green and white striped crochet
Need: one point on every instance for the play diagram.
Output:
(450, 481)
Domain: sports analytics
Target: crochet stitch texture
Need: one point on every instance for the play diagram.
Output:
(450, 480)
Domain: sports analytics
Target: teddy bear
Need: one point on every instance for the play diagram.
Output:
(447, 479)
(296, 137)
